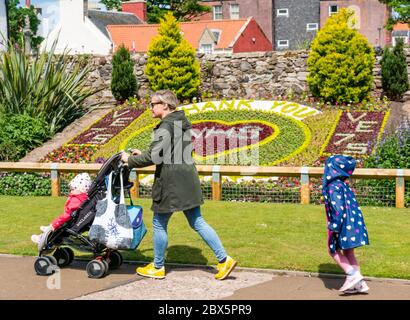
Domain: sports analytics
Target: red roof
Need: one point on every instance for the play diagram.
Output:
(401, 27)
(138, 37)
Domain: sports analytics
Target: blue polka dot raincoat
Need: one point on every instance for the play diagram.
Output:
(344, 217)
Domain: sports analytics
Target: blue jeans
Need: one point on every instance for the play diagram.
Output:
(194, 217)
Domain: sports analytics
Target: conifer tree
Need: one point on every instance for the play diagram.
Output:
(341, 60)
(395, 80)
(171, 61)
(123, 81)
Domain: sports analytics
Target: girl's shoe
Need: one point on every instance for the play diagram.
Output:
(351, 281)
(361, 287)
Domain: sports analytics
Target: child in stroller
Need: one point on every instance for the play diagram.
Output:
(79, 187)
(54, 245)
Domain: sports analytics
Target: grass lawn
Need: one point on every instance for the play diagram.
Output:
(260, 235)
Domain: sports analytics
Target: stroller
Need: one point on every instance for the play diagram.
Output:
(54, 249)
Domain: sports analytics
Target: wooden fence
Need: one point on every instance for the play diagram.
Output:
(304, 173)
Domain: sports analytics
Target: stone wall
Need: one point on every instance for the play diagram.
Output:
(260, 75)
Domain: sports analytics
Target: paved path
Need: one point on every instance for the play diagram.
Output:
(19, 281)
(323, 288)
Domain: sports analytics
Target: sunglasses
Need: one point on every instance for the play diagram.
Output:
(152, 104)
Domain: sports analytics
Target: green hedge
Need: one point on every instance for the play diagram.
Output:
(25, 184)
(20, 134)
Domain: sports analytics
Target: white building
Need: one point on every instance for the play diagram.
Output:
(82, 31)
(3, 24)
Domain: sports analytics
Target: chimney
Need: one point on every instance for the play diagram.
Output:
(137, 7)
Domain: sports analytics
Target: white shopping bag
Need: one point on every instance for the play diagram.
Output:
(112, 225)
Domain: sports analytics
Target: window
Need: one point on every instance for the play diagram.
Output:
(206, 48)
(312, 26)
(282, 13)
(405, 39)
(218, 13)
(216, 33)
(234, 11)
(283, 43)
(333, 9)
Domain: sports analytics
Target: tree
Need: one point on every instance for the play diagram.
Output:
(123, 81)
(112, 4)
(17, 21)
(340, 62)
(395, 80)
(171, 61)
(183, 10)
(156, 9)
(402, 9)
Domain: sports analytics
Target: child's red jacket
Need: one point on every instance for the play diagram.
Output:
(73, 202)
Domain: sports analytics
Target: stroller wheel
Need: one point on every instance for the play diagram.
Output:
(107, 267)
(70, 253)
(63, 257)
(52, 260)
(43, 266)
(115, 260)
(96, 269)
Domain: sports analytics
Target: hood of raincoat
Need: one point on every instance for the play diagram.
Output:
(338, 167)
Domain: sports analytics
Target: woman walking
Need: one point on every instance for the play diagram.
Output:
(176, 186)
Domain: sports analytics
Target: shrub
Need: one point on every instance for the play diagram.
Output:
(395, 79)
(171, 61)
(45, 86)
(20, 134)
(391, 153)
(123, 82)
(25, 184)
(340, 63)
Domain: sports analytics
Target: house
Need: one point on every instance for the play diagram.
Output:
(292, 24)
(295, 23)
(401, 30)
(289, 24)
(207, 36)
(261, 10)
(370, 15)
(83, 31)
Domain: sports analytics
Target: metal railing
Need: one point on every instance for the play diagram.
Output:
(216, 172)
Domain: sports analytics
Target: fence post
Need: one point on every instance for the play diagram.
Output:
(55, 181)
(400, 188)
(304, 186)
(134, 177)
(216, 183)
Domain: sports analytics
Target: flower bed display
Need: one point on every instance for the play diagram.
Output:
(356, 133)
(106, 128)
(282, 137)
(266, 132)
(211, 138)
(84, 146)
(79, 153)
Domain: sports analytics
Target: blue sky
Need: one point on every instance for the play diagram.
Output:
(49, 6)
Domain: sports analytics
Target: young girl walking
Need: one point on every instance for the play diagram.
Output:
(346, 227)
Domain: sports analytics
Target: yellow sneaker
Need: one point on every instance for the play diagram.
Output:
(151, 272)
(224, 269)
